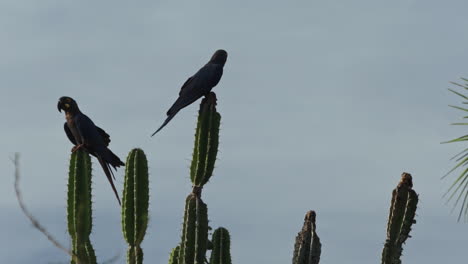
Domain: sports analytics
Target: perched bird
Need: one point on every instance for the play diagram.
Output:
(82, 132)
(198, 85)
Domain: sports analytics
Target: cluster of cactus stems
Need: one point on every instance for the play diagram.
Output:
(79, 211)
(307, 248)
(400, 219)
(135, 204)
(194, 241)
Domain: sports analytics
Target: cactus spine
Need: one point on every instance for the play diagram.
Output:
(401, 218)
(221, 247)
(206, 141)
(79, 211)
(308, 247)
(135, 204)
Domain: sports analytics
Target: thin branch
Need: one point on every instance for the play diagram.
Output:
(28, 214)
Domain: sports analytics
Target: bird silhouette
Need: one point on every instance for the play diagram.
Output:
(198, 85)
(82, 132)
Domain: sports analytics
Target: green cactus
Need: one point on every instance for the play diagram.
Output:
(221, 247)
(135, 204)
(307, 248)
(174, 257)
(194, 231)
(206, 141)
(401, 218)
(195, 228)
(79, 211)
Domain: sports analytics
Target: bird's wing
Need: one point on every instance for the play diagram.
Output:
(88, 131)
(196, 86)
(104, 136)
(69, 133)
(185, 85)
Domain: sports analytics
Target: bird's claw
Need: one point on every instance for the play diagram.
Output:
(77, 147)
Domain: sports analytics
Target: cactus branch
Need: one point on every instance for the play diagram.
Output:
(135, 204)
(308, 248)
(401, 218)
(221, 247)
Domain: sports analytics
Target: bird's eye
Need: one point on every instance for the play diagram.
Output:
(67, 105)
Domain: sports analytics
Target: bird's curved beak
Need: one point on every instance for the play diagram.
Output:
(59, 106)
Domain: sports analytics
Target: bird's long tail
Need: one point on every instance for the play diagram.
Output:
(180, 103)
(169, 117)
(112, 159)
(107, 170)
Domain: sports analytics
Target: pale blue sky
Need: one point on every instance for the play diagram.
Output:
(324, 104)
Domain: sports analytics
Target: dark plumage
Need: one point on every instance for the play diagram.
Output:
(82, 132)
(198, 85)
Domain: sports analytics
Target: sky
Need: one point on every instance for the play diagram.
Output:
(324, 104)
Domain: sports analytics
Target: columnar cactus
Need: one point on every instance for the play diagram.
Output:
(194, 231)
(307, 248)
(400, 220)
(79, 211)
(206, 141)
(135, 204)
(221, 247)
(195, 242)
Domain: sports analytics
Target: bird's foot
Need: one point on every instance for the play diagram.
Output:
(77, 147)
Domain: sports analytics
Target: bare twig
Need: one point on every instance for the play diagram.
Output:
(28, 214)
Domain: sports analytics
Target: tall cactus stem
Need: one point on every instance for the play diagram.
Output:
(221, 247)
(206, 141)
(79, 212)
(194, 231)
(401, 218)
(307, 248)
(135, 204)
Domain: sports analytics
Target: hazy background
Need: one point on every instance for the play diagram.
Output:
(324, 104)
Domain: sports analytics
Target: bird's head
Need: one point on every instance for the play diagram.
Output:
(67, 104)
(219, 57)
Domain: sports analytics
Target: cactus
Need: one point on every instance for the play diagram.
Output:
(307, 248)
(174, 257)
(135, 204)
(194, 231)
(206, 141)
(401, 218)
(195, 228)
(221, 247)
(79, 208)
